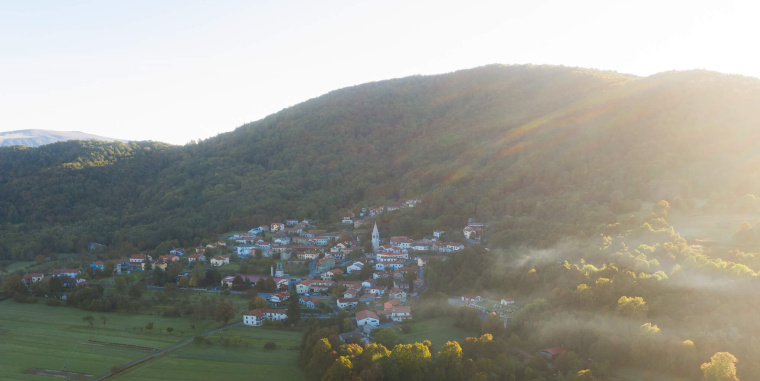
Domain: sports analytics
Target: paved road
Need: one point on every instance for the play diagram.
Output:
(165, 350)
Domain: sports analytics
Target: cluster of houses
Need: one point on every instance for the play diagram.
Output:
(379, 299)
(474, 230)
(67, 276)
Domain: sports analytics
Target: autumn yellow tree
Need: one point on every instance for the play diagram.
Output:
(722, 367)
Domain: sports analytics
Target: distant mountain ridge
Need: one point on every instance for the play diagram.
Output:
(36, 138)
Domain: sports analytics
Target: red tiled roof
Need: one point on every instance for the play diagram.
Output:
(361, 315)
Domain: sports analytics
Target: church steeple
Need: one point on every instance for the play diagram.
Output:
(375, 239)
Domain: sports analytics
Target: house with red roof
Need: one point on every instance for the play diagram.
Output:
(31, 278)
(401, 313)
(367, 317)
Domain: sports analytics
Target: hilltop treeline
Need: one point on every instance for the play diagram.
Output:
(539, 152)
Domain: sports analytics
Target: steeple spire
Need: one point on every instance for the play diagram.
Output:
(375, 238)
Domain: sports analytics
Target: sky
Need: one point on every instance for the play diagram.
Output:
(176, 71)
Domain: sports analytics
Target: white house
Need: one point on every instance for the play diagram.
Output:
(357, 266)
(507, 301)
(347, 302)
(256, 317)
(220, 260)
(377, 290)
(367, 317)
(401, 313)
(71, 273)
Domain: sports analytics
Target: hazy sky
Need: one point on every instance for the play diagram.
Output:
(174, 71)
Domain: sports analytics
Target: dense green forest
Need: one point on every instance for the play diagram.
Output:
(541, 153)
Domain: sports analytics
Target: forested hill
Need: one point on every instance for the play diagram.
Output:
(538, 152)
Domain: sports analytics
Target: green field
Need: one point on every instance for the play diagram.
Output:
(39, 336)
(217, 362)
(438, 331)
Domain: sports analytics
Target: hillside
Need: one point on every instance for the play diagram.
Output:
(36, 138)
(538, 152)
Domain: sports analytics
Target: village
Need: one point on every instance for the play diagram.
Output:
(374, 281)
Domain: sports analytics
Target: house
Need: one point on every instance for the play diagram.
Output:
(325, 264)
(137, 261)
(119, 265)
(192, 258)
(220, 260)
(347, 302)
(31, 278)
(291, 222)
(404, 285)
(169, 258)
(351, 284)
(276, 226)
(507, 301)
(389, 265)
(303, 300)
(97, 265)
(312, 303)
(307, 285)
(471, 298)
(350, 293)
(178, 251)
(66, 273)
(388, 256)
(367, 317)
(397, 293)
(422, 246)
(553, 353)
(454, 246)
(256, 317)
(279, 297)
(390, 304)
(419, 285)
(369, 283)
(412, 203)
(357, 266)
(378, 291)
(281, 282)
(245, 250)
(401, 241)
(401, 313)
(329, 274)
(321, 240)
(352, 337)
(307, 255)
(438, 234)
